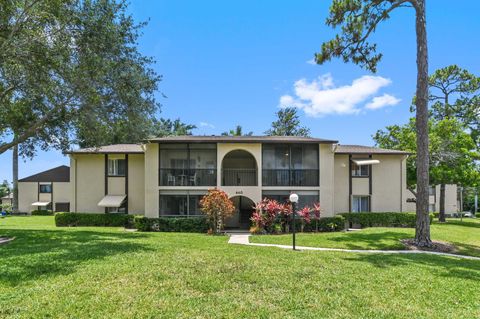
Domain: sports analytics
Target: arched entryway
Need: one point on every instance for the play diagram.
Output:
(243, 213)
(239, 168)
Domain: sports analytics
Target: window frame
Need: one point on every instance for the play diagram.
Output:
(368, 201)
(40, 186)
(115, 171)
(356, 170)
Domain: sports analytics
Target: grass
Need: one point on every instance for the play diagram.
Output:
(465, 235)
(49, 272)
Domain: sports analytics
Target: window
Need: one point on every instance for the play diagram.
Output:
(431, 208)
(180, 204)
(431, 190)
(305, 198)
(116, 167)
(360, 171)
(360, 204)
(46, 188)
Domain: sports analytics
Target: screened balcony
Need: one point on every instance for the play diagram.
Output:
(290, 165)
(239, 168)
(188, 165)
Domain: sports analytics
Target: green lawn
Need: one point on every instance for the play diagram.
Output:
(50, 272)
(465, 235)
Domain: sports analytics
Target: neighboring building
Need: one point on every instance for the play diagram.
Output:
(168, 176)
(452, 199)
(7, 200)
(46, 190)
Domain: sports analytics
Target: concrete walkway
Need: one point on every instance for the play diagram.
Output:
(243, 239)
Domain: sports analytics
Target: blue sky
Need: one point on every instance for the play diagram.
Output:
(230, 62)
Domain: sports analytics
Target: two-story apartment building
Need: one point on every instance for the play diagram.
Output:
(168, 176)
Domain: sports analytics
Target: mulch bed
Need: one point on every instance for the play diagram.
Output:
(437, 246)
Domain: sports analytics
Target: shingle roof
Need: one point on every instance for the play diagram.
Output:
(240, 139)
(60, 174)
(361, 149)
(110, 149)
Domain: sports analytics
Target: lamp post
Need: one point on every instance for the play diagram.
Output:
(294, 200)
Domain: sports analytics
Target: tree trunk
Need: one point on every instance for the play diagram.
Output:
(15, 180)
(422, 229)
(441, 215)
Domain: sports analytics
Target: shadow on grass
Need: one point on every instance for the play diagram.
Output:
(360, 240)
(450, 222)
(440, 265)
(45, 253)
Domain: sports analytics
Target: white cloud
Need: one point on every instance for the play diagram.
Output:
(205, 124)
(380, 101)
(321, 97)
(312, 61)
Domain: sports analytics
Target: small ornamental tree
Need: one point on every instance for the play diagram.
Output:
(316, 214)
(217, 206)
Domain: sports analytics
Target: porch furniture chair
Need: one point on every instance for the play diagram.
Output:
(171, 179)
(193, 179)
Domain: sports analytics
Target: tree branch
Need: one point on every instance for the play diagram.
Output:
(33, 128)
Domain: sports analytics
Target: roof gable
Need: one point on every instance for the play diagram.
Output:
(60, 174)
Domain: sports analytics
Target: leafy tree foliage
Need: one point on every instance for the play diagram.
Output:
(238, 131)
(288, 124)
(356, 21)
(455, 92)
(453, 153)
(4, 188)
(167, 127)
(70, 67)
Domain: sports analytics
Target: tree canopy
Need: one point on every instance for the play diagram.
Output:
(237, 131)
(453, 152)
(288, 124)
(71, 69)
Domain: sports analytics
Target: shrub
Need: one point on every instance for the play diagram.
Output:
(43, 212)
(325, 224)
(217, 206)
(382, 219)
(172, 224)
(87, 219)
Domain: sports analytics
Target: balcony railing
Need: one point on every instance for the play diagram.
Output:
(290, 177)
(239, 177)
(188, 177)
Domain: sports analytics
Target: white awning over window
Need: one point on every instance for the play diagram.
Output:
(366, 161)
(112, 201)
(40, 204)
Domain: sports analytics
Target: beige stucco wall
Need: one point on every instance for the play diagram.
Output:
(61, 192)
(450, 198)
(136, 184)
(360, 186)
(27, 194)
(89, 183)
(327, 160)
(387, 183)
(151, 180)
(116, 185)
(341, 185)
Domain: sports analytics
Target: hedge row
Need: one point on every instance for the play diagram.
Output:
(171, 224)
(87, 219)
(324, 224)
(382, 219)
(39, 212)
